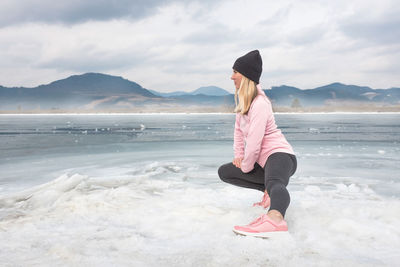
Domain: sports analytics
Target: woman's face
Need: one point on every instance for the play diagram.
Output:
(237, 78)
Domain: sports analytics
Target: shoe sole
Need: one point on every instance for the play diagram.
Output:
(266, 235)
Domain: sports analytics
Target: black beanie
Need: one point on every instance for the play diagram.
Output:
(250, 65)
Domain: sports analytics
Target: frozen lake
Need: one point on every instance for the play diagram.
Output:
(143, 190)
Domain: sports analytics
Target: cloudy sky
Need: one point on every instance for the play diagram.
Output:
(170, 45)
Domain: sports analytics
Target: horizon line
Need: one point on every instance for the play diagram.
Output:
(44, 84)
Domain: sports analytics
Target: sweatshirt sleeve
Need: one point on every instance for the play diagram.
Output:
(258, 122)
(238, 141)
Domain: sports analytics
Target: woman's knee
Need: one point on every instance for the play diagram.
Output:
(222, 172)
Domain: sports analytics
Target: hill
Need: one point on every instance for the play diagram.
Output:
(333, 94)
(96, 92)
(88, 90)
(206, 90)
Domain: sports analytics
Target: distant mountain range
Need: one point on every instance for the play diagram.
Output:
(207, 90)
(334, 93)
(96, 91)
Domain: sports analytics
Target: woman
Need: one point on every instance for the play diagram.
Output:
(263, 159)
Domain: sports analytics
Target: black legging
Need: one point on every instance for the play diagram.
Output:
(274, 177)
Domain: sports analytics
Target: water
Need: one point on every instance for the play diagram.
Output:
(143, 190)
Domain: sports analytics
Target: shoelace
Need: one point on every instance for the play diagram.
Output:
(257, 220)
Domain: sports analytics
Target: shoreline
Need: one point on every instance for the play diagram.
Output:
(207, 110)
(191, 113)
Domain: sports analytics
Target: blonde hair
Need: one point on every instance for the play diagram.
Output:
(245, 95)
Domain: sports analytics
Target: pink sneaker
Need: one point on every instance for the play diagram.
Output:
(265, 202)
(262, 227)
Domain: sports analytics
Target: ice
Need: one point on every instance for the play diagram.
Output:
(118, 199)
(151, 216)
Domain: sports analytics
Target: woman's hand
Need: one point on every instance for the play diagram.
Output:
(237, 162)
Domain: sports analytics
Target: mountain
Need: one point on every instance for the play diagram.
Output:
(101, 92)
(210, 90)
(207, 90)
(176, 93)
(77, 91)
(332, 94)
(96, 84)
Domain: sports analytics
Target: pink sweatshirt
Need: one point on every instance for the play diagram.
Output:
(256, 135)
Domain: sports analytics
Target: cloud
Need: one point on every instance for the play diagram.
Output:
(171, 45)
(88, 59)
(307, 36)
(76, 11)
(216, 33)
(384, 29)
